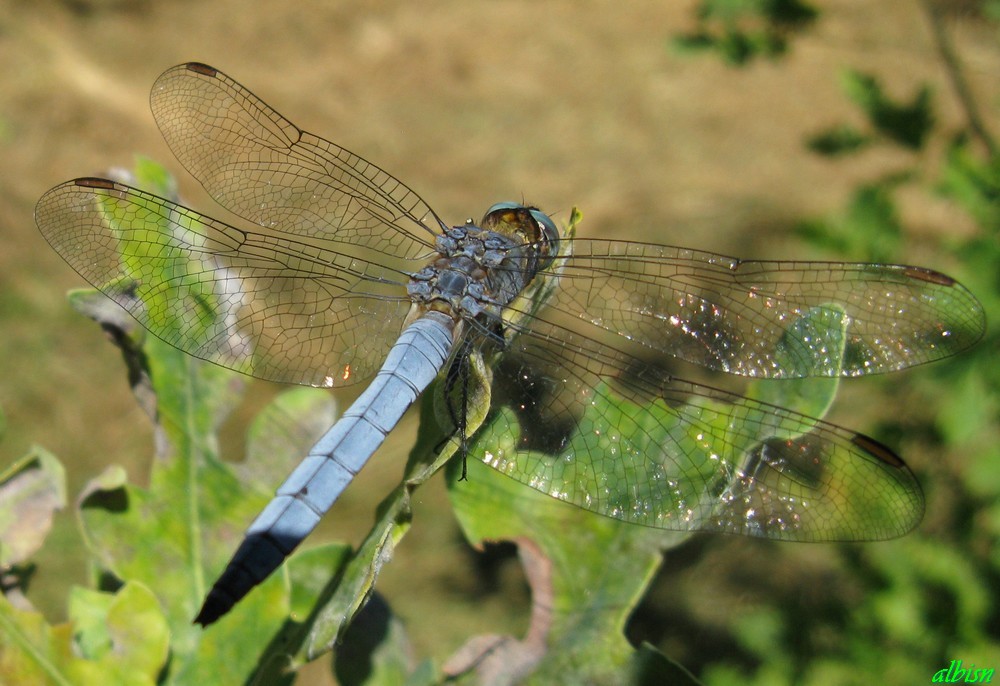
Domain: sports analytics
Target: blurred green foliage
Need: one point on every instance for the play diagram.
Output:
(741, 30)
(931, 597)
(907, 124)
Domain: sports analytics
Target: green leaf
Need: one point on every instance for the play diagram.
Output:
(907, 124)
(105, 626)
(153, 176)
(868, 230)
(32, 490)
(789, 13)
(310, 572)
(293, 418)
(119, 638)
(588, 572)
(692, 42)
(181, 533)
(376, 650)
(838, 140)
(810, 396)
(741, 30)
(736, 47)
(178, 534)
(972, 407)
(975, 184)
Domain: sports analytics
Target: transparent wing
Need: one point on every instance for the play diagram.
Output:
(260, 166)
(295, 309)
(729, 315)
(595, 427)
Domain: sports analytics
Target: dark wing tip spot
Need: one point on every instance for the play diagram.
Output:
(929, 275)
(94, 182)
(202, 68)
(878, 450)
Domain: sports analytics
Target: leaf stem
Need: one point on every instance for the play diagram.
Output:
(953, 67)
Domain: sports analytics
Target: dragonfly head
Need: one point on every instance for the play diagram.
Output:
(530, 225)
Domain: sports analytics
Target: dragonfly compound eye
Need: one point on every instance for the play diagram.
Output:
(548, 242)
(532, 225)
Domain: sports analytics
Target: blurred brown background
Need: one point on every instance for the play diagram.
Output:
(560, 103)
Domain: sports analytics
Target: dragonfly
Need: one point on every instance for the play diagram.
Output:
(340, 273)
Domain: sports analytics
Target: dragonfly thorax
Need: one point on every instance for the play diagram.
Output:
(475, 271)
(478, 271)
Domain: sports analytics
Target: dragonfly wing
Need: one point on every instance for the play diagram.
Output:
(731, 315)
(266, 304)
(595, 427)
(260, 166)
